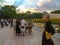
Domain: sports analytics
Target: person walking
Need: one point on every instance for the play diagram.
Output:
(30, 23)
(48, 32)
(11, 22)
(2, 23)
(23, 25)
(17, 28)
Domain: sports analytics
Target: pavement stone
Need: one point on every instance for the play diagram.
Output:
(7, 37)
(57, 35)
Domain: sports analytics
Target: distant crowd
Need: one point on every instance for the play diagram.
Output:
(20, 26)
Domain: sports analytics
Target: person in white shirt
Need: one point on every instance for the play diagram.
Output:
(14, 22)
(23, 25)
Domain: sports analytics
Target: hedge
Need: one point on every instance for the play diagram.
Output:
(53, 20)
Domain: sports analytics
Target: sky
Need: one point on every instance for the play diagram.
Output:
(33, 5)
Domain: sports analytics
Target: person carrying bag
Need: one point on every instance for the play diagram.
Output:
(48, 35)
(48, 32)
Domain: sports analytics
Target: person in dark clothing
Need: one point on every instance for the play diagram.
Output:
(11, 22)
(47, 27)
(2, 25)
(17, 28)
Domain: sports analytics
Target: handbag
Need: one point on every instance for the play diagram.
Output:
(48, 35)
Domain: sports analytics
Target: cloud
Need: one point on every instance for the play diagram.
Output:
(48, 5)
(38, 5)
(54, 5)
(28, 4)
(42, 2)
(8, 2)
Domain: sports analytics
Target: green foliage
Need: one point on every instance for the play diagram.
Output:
(29, 15)
(39, 20)
(58, 30)
(53, 20)
(9, 11)
(56, 12)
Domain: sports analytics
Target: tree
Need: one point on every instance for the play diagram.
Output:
(9, 11)
(56, 12)
(28, 12)
(31, 15)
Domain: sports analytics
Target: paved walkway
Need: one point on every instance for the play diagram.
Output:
(7, 37)
(56, 35)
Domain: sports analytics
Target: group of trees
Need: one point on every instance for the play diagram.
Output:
(56, 12)
(31, 15)
(10, 12)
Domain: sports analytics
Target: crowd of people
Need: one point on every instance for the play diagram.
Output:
(20, 26)
(4, 22)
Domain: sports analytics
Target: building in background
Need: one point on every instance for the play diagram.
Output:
(54, 15)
